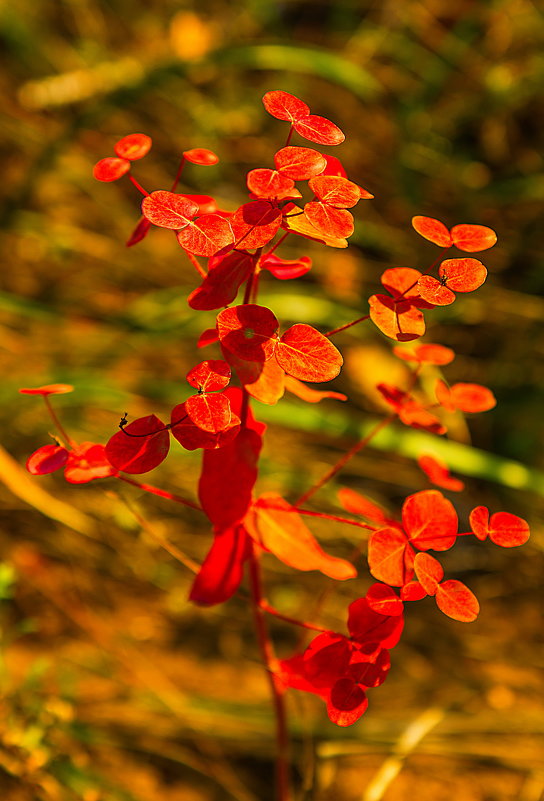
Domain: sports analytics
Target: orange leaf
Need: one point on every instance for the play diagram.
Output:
(307, 393)
(430, 521)
(299, 163)
(398, 320)
(429, 572)
(329, 220)
(457, 601)
(133, 147)
(335, 191)
(308, 355)
(426, 354)
(248, 331)
(278, 528)
(437, 472)
(210, 412)
(296, 221)
(390, 557)
(472, 238)
(168, 210)
(504, 528)
(206, 236)
(462, 275)
(433, 230)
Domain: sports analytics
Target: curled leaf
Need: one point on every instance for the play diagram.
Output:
(140, 446)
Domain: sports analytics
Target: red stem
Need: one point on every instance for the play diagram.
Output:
(69, 442)
(270, 662)
(265, 606)
(161, 493)
(138, 186)
(178, 174)
(348, 325)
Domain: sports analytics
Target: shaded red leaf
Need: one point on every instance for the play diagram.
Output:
(207, 337)
(140, 447)
(201, 155)
(472, 238)
(220, 286)
(433, 230)
(430, 521)
(139, 233)
(248, 331)
(284, 106)
(133, 147)
(299, 163)
(47, 459)
(222, 570)
(255, 224)
(308, 355)
(429, 572)
(438, 473)
(168, 210)
(457, 601)
(370, 672)
(383, 599)
(390, 557)
(278, 528)
(347, 702)
(319, 130)
(367, 626)
(111, 169)
(326, 659)
(206, 235)
(209, 376)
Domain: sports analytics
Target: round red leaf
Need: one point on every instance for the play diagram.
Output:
(248, 331)
(210, 375)
(270, 184)
(111, 169)
(168, 210)
(328, 220)
(299, 163)
(308, 355)
(319, 130)
(457, 601)
(140, 447)
(479, 522)
(133, 147)
(429, 572)
(210, 412)
(430, 521)
(202, 156)
(462, 275)
(390, 557)
(206, 235)
(335, 190)
(472, 238)
(284, 106)
(434, 291)
(433, 230)
(191, 437)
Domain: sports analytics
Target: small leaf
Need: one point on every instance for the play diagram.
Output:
(46, 460)
(285, 269)
(210, 412)
(347, 702)
(140, 447)
(308, 355)
(255, 224)
(504, 528)
(335, 191)
(465, 397)
(319, 130)
(426, 354)
(111, 169)
(472, 238)
(201, 155)
(299, 163)
(168, 210)
(429, 572)
(209, 376)
(433, 291)
(284, 106)
(390, 557)
(433, 230)
(47, 389)
(438, 473)
(457, 601)
(133, 147)
(357, 504)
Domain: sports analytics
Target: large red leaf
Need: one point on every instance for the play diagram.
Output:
(278, 528)
(222, 570)
(346, 703)
(335, 191)
(472, 238)
(329, 220)
(111, 169)
(429, 572)
(308, 355)
(390, 557)
(430, 521)
(248, 331)
(433, 230)
(133, 147)
(368, 627)
(209, 411)
(457, 601)
(255, 224)
(209, 376)
(140, 446)
(319, 130)
(47, 459)
(220, 286)
(284, 106)
(299, 163)
(168, 210)
(86, 462)
(504, 528)
(206, 235)
(399, 320)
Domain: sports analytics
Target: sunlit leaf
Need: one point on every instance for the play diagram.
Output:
(329, 221)
(472, 238)
(429, 572)
(319, 130)
(209, 411)
(222, 570)
(201, 155)
(430, 521)
(206, 235)
(399, 320)
(457, 601)
(285, 269)
(504, 528)
(390, 557)
(209, 376)
(111, 169)
(133, 147)
(335, 191)
(299, 163)
(308, 355)
(383, 599)
(433, 230)
(47, 389)
(168, 210)
(248, 331)
(284, 106)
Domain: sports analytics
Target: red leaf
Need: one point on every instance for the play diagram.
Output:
(438, 473)
(206, 204)
(248, 331)
(413, 591)
(299, 163)
(356, 504)
(277, 527)
(255, 224)
(401, 282)
(191, 437)
(133, 147)
(429, 572)
(201, 155)
(434, 292)
(284, 269)
(462, 275)
(430, 521)
(368, 627)
(390, 557)
(47, 459)
(383, 599)
(335, 191)
(270, 185)
(328, 220)
(370, 672)
(334, 167)
(433, 230)
(210, 412)
(319, 130)
(307, 393)
(284, 106)
(308, 355)
(209, 376)
(87, 462)
(47, 389)
(168, 210)
(326, 659)
(298, 223)
(111, 169)
(465, 397)
(264, 381)
(140, 447)
(207, 337)
(426, 354)
(220, 286)
(346, 703)
(457, 601)
(504, 528)
(206, 235)
(398, 320)
(472, 238)
(222, 570)
(139, 233)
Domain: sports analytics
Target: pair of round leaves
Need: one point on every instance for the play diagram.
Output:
(284, 106)
(250, 333)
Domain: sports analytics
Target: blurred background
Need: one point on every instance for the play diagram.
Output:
(113, 685)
